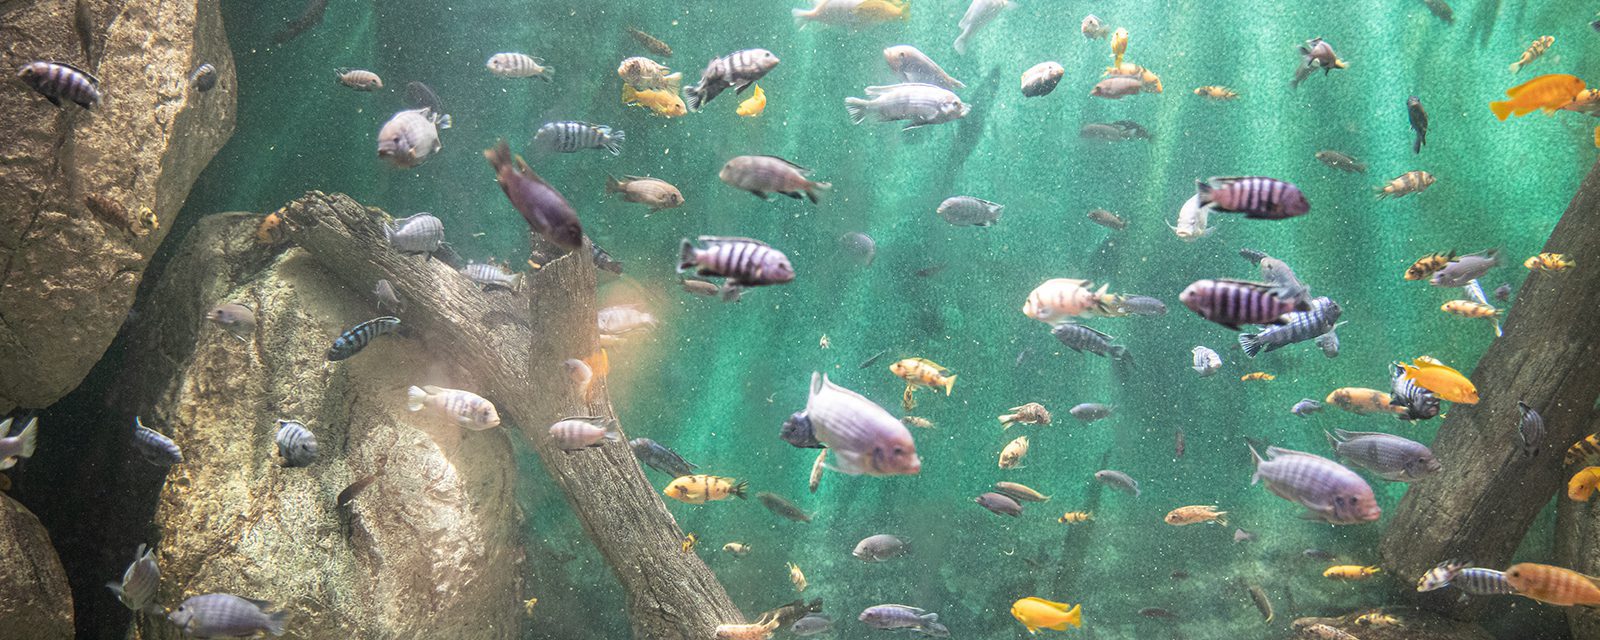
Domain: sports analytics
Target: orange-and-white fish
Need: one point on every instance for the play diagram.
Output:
(1195, 514)
(1061, 298)
(921, 372)
(1362, 401)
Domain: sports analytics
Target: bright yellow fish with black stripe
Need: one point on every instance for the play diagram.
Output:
(1586, 450)
(1428, 264)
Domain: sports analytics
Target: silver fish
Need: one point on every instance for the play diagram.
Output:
(464, 408)
(386, 296)
(570, 136)
(492, 275)
(1041, 79)
(1240, 535)
(223, 615)
(1299, 326)
(1080, 338)
(914, 66)
(359, 79)
(203, 78)
(579, 433)
(1206, 361)
(237, 319)
(420, 233)
(411, 137)
(137, 591)
(1392, 457)
(1091, 411)
(1117, 87)
(623, 319)
(811, 624)
(761, 175)
(1119, 481)
(879, 548)
(519, 65)
(1440, 576)
(1530, 429)
(1144, 306)
(1000, 504)
(1329, 492)
(919, 105)
(1114, 131)
(1329, 342)
(861, 248)
(296, 444)
(1465, 269)
(158, 449)
(979, 14)
(1305, 407)
(967, 211)
(19, 446)
(863, 437)
(59, 80)
(737, 70)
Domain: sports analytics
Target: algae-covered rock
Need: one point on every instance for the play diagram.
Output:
(33, 587)
(430, 548)
(69, 269)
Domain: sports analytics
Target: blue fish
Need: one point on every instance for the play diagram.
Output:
(296, 444)
(154, 447)
(353, 341)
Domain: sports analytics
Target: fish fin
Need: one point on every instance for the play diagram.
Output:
(687, 258)
(53, 100)
(1202, 190)
(740, 89)
(115, 588)
(1501, 109)
(414, 398)
(949, 385)
(1256, 459)
(29, 438)
(760, 194)
(612, 141)
(1250, 343)
(275, 622)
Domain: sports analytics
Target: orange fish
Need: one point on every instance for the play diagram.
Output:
(1196, 514)
(1583, 483)
(1469, 309)
(1428, 264)
(270, 231)
(1259, 375)
(1550, 262)
(921, 372)
(1350, 572)
(1547, 92)
(1075, 517)
(1553, 585)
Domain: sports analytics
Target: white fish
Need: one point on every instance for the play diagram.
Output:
(1206, 361)
(18, 446)
(912, 65)
(465, 408)
(1192, 221)
(979, 13)
(1041, 79)
(519, 65)
(919, 104)
(410, 137)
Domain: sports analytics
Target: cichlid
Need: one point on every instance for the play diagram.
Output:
(222, 615)
(914, 66)
(737, 70)
(137, 591)
(918, 105)
(356, 338)
(411, 137)
(155, 448)
(571, 136)
(464, 408)
(519, 65)
(297, 446)
(545, 210)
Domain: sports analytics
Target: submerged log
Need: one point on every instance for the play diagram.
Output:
(1481, 504)
(516, 345)
(1577, 536)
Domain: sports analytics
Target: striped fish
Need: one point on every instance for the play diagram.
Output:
(1392, 457)
(1080, 338)
(1408, 183)
(1254, 196)
(744, 262)
(577, 434)
(154, 447)
(1440, 576)
(739, 69)
(862, 436)
(1482, 582)
(353, 341)
(519, 65)
(296, 444)
(1586, 450)
(59, 80)
(1232, 303)
(137, 591)
(1329, 342)
(1539, 46)
(492, 275)
(359, 79)
(204, 78)
(571, 136)
(1329, 491)
(1530, 429)
(1300, 326)
(465, 408)
(420, 233)
(918, 104)
(1420, 403)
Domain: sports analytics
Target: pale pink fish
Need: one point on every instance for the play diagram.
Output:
(1061, 298)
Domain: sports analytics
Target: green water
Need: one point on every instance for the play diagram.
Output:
(716, 380)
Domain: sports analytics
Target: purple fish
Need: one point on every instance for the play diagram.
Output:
(57, 80)
(222, 615)
(1232, 303)
(1254, 196)
(898, 616)
(1000, 504)
(1329, 491)
(744, 262)
(862, 437)
(577, 434)
(540, 204)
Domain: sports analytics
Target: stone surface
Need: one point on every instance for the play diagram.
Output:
(33, 588)
(68, 274)
(1407, 624)
(432, 546)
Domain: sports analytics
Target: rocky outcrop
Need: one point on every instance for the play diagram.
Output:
(432, 545)
(33, 588)
(1397, 623)
(68, 270)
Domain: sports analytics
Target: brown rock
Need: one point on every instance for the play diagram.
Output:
(1409, 624)
(33, 588)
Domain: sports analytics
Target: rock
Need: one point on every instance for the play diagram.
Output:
(433, 544)
(68, 272)
(33, 587)
(1413, 624)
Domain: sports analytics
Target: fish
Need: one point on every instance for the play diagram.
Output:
(1240, 535)
(1469, 309)
(1031, 413)
(1119, 481)
(1036, 613)
(1441, 10)
(897, 616)
(1428, 265)
(1391, 457)
(967, 211)
(383, 291)
(1341, 161)
(738, 549)
(1011, 456)
(1080, 338)
(700, 489)
(1215, 92)
(700, 287)
(356, 338)
(1322, 631)
(1419, 123)
(1530, 429)
(58, 81)
(756, 631)
(1119, 46)
(418, 233)
(1019, 492)
(1540, 45)
(237, 319)
(879, 548)
(464, 408)
(1551, 262)
(1157, 612)
(1192, 220)
(661, 458)
(1406, 184)
(489, 275)
(297, 446)
(224, 615)
(583, 432)
(1440, 575)
(1581, 486)
(1439, 378)
(1093, 28)
(1316, 54)
(1305, 407)
(864, 438)
(1151, 83)
(918, 105)
(1362, 401)
(1041, 79)
(689, 543)
(1107, 219)
(859, 247)
(914, 421)
(572, 136)
(1256, 197)
(621, 319)
(737, 70)
(1196, 514)
(643, 73)
(1546, 93)
(742, 261)
(649, 42)
(1298, 326)
(797, 577)
(204, 77)
(1091, 411)
(1232, 303)
(1114, 131)
(1117, 87)
(545, 210)
(1318, 554)
(914, 66)
(1142, 305)
(137, 590)
(309, 18)
(761, 175)
(1587, 450)
(350, 492)
(1058, 299)
(979, 14)
(1464, 269)
(359, 79)
(921, 372)
(792, 612)
(654, 193)
(1503, 292)
(1329, 342)
(811, 625)
(817, 468)
(409, 138)
(1553, 585)
(1075, 517)
(662, 102)
(782, 507)
(1483, 582)
(1206, 361)
(753, 105)
(1278, 274)
(519, 65)
(1329, 492)
(1263, 604)
(1415, 402)
(1178, 444)
(155, 448)
(852, 13)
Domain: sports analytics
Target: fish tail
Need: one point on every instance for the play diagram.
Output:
(802, 17)
(960, 44)
(1007, 420)
(1120, 354)
(949, 385)
(613, 141)
(686, 256)
(115, 588)
(275, 622)
(1222, 518)
(1250, 343)
(498, 155)
(1516, 66)
(30, 438)
(629, 95)
(857, 109)
(692, 97)
(813, 187)
(1501, 109)
(613, 185)
(1256, 459)
(739, 489)
(414, 398)
(1203, 190)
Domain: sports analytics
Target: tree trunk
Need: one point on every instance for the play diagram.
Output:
(1577, 533)
(1481, 505)
(516, 345)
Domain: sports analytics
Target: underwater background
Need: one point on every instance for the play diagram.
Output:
(716, 380)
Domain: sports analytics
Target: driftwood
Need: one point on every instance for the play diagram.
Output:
(515, 344)
(1482, 503)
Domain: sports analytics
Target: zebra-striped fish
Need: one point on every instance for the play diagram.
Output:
(1587, 450)
(59, 80)
(410, 137)
(1298, 327)
(158, 449)
(1232, 303)
(1420, 403)
(359, 79)
(204, 78)
(519, 65)
(420, 233)
(1440, 576)
(744, 262)
(296, 444)
(570, 136)
(650, 43)
(918, 104)
(1482, 582)
(547, 212)
(1080, 338)
(1254, 196)
(465, 408)
(739, 69)
(137, 591)
(1530, 429)
(1408, 183)
(353, 341)
(489, 276)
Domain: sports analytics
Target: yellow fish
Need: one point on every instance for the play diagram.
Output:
(918, 422)
(1216, 92)
(1547, 92)
(1469, 309)
(689, 542)
(700, 489)
(1442, 380)
(921, 372)
(1428, 264)
(1378, 620)
(1038, 613)
(528, 605)
(1196, 514)
(1350, 572)
(1119, 45)
(882, 11)
(1587, 449)
(1550, 262)
(797, 577)
(1259, 375)
(1362, 401)
(1012, 454)
(1075, 517)
(660, 101)
(1582, 484)
(753, 105)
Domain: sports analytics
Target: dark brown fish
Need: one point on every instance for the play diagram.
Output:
(1262, 603)
(1180, 575)
(870, 361)
(355, 489)
(782, 507)
(790, 613)
(1107, 219)
(1157, 612)
(650, 42)
(109, 211)
(1177, 444)
(309, 18)
(547, 212)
